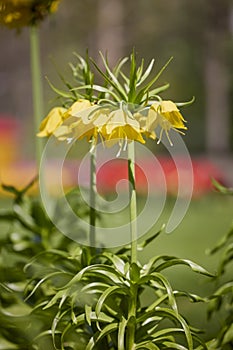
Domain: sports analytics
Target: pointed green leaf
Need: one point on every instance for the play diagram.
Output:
(147, 72)
(118, 263)
(146, 345)
(100, 335)
(171, 345)
(106, 294)
(150, 239)
(88, 311)
(60, 92)
(121, 333)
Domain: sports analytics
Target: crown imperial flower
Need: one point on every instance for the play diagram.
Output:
(166, 115)
(120, 112)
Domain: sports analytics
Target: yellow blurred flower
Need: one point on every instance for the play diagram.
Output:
(51, 123)
(20, 13)
(166, 115)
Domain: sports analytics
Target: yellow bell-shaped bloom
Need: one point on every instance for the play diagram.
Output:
(120, 128)
(77, 107)
(89, 123)
(143, 125)
(166, 115)
(80, 121)
(51, 123)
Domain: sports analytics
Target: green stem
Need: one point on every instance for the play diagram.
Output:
(92, 199)
(131, 326)
(133, 201)
(36, 88)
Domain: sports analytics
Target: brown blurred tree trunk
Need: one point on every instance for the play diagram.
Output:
(217, 77)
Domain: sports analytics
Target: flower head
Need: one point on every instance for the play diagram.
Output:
(122, 109)
(20, 13)
(166, 115)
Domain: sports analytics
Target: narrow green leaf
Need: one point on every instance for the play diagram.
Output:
(118, 263)
(173, 315)
(146, 88)
(187, 103)
(119, 65)
(132, 78)
(147, 72)
(171, 345)
(228, 336)
(171, 261)
(147, 345)
(157, 302)
(55, 299)
(106, 294)
(56, 320)
(165, 282)
(99, 89)
(88, 311)
(60, 92)
(223, 242)
(121, 333)
(95, 287)
(119, 91)
(150, 239)
(43, 280)
(100, 335)
(156, 91)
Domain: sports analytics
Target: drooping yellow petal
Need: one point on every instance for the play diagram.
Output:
(53, 120)
(121, 127)
(78, 107)
(124, 133)
(119, 118)
(169, 111)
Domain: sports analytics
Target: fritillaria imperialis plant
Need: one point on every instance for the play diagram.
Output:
(100, 303)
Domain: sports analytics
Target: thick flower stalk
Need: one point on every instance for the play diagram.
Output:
(21, 13)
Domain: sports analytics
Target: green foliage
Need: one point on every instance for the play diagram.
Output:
(222, 299)
(102, 302)
(58, 295)
(30, 233)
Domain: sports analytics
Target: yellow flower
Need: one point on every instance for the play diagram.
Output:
(143, 123)
(54, 122)
(121, 128)
(77, 107)
(89, 123)
(166, 115)
(20, 13)
(51, 123)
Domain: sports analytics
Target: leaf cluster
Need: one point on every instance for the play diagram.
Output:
(100, 301)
